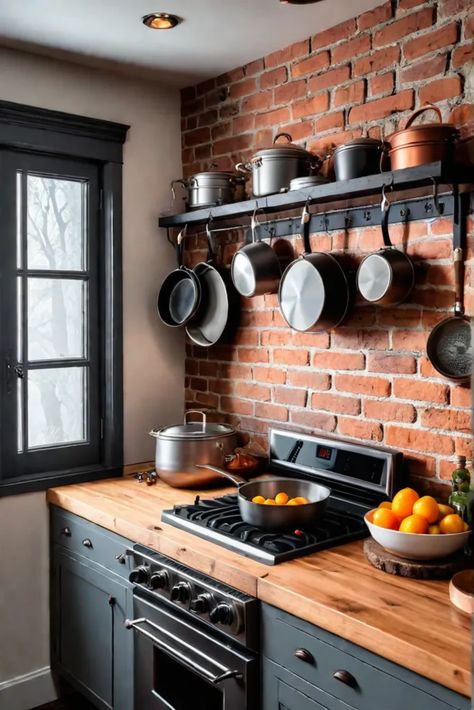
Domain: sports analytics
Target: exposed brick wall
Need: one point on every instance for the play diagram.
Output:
(370, 378)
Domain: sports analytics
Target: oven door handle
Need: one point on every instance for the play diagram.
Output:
(215, 679)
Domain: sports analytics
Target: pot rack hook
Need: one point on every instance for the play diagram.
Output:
(208, 225)
(435, 197)
(306, 214)
(385, 204)
(182, 234)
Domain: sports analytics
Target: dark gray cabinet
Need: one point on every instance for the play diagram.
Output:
(90, 646)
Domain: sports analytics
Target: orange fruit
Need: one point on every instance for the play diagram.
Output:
(434, 530)
(466, 527)
(281, 498)
(427, 507)
(270, 501)
(292, 501)
(452, 523)
(385, 518)
(444, 510)
(386, 504)
(403, 502)
(258, 499)
(301, 500)
(414, 524)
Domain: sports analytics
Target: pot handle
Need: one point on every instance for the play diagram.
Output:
(196, 411)
(288, 137)
(458, 263)
(418, 112)
(210, 257)
(245, 168)
(305, 227)
(178, 182)
(234, 477)
(384, 211)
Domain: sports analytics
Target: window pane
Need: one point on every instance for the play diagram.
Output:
(55, 224)
(56, 406)
(56, 318)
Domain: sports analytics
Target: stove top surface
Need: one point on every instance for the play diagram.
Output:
(219, 520)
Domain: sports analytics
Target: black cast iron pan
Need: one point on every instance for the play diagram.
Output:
(180, 293)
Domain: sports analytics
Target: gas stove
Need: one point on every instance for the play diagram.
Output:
(359, 476)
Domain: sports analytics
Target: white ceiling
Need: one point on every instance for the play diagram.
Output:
(216, 35)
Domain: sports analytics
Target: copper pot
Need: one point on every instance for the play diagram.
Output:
(425, 143)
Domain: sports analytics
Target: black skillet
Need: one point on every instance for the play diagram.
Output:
(180, 293)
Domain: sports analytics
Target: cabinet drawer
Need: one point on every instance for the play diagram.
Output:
(352, 675)
(77, 535)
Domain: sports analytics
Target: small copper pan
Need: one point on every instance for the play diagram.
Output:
(424, 143)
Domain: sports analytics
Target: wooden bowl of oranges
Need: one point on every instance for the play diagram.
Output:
(417, 528)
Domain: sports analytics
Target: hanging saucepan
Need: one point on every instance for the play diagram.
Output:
(314, 291)
(180, 293)
(449, 345)
(278, 517)
(218, 313)
(256, 268)
(386, 277)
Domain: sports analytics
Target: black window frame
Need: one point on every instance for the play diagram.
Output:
(53, 133)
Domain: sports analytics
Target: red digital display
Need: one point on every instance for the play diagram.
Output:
(324, 452)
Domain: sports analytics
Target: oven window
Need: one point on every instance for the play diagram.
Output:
(181, 688)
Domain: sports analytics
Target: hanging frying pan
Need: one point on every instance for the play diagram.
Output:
(449, 345)
(386, 277)
(314, 291)
(180, 292)
(218, 313)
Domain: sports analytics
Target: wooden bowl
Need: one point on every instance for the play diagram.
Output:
(461, 590)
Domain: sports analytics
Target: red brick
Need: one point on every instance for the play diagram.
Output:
(327, 143)
(382, 84)
(409, 340)
(274, 77)
(469, 27)
(230, 76)
(233, 371)
(463, 447)
(377, 61)
(310, 380)
(255, 67)
(272, 118)
(289, 92)
(463, 54)
(276, 337)
(440, 90)
(420, 465)
(420, 71)
(198, 383)
(243, 88)
(299, 131)
(349, 95)
(411, 438)
(433, 297)
(382, 107)
(252, 391)
(288, 395)
(334, 34)
(420, 391)
(308, 107)
(461, 396)
(200, 135)
(290, 357)
(330, 121)
(230, 109)
(339, 361)
(359, 384)
(242, 124)
(190, 107)
(358, 429)
(311, 65)
(349, 50)
(403, 28)
(314, 420)
(207, 118)
(208, 399)
(271, 411)
(288, 54)
(450, 419)
(447, 8)
(335, 403)
(401, 317)
(329, 79)
(237, 406)
(221, 386)
(389, 411)
(253, 355)
(380, 14)
(257, 102)
(409, 4)
(431, 41)
(236, 144)
(386, 362)
(430, 248)
(269, 374)
(205, 87)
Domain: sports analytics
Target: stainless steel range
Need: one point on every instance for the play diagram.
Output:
(359, 476)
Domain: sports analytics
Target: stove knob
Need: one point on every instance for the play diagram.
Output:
(200, 605)
(222, 614)
(159, 580)
(139, 575)
(180, 592)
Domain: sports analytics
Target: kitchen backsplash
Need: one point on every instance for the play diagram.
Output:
(369, 378)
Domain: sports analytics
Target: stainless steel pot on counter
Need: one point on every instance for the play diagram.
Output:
(208, 189)
(181, 446)
(273, 168)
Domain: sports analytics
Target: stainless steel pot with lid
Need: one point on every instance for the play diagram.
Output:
(211, 188)
(180, 447)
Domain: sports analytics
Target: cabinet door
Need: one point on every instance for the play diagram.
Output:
(291, 699)
(91, 646)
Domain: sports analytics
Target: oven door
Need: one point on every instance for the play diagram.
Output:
(178, 666)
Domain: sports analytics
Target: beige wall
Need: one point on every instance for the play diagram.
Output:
(153, 355)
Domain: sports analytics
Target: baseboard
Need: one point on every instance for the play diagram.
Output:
(28, 691)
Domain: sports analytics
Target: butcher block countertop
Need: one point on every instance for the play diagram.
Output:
(406, 621)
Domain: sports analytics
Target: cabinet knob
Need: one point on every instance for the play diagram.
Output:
(346, 678)
(303, 655)
(66, 532)
(87, 543)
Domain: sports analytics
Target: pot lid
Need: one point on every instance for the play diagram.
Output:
(209, 174)
(308, 181)
(281, 150)
(195, 430)
(366, 142)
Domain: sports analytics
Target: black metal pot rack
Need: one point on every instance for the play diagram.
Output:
(444, 197)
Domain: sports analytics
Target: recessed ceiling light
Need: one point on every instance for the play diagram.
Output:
(298, 2)
(161, 20)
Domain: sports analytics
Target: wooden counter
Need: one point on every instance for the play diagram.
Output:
(409, 622)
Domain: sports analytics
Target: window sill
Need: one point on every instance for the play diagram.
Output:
(43, 481)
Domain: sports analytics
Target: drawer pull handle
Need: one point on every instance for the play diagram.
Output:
(346, 678)
(87, 543)
(304, 655)
(66, 532)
